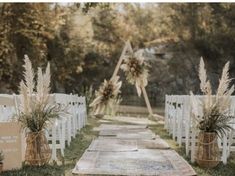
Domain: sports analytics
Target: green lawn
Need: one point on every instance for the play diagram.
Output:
(82, 141)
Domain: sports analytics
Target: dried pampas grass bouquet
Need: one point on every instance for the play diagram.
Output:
(136, 70)
(106, 95)
(211, 114)
(35, 110)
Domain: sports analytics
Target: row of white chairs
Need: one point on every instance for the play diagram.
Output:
(179, 124)
(61, 131)
(69, 124)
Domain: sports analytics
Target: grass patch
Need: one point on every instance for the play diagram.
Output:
(80, 143)
(46, 170)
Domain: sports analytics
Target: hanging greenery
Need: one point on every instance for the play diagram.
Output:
(136, 70)
(106, 95)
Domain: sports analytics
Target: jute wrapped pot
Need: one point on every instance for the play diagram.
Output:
(38, 151)
(208, 155)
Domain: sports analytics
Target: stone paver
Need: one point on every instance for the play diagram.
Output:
(130, 150)
(141, 162)
(158, 143)
(105, 121)
(118, 127)
(128, 133)
(113, 145)
(131, 120)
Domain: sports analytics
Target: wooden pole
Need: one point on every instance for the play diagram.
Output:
(126, 47)
(147, 100)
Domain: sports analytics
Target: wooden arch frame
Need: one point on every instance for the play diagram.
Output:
(124, 51)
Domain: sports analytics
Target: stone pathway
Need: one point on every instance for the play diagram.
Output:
(130, 150)
(131, 120)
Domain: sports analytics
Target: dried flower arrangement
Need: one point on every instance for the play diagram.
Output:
(35, 112)
(215, 116)
(136, 70)
(213, 120)
(106, 95)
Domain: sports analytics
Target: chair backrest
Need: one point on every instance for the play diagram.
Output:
(8, 107)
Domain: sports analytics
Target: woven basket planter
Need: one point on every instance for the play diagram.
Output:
(38, 151)
(207, 155)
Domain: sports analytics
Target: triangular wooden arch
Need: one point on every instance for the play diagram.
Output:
(124, 51)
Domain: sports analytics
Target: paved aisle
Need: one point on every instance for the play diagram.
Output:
(130, 150)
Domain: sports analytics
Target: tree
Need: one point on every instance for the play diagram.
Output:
(25, 29)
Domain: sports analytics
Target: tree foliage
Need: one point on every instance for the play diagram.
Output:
(83, 42)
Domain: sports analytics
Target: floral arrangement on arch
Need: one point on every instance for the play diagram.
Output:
(214, 117)
(106, 95)
(136, 70)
